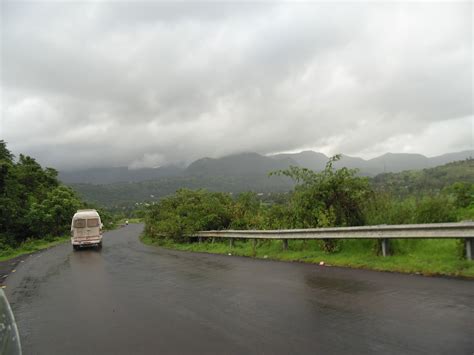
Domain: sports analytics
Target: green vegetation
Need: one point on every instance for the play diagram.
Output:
(30, 246)
(426, 181)
(189, 211)
(249, 172)
(126, 196)
(333, 197)
(34, 203)
(35, 206)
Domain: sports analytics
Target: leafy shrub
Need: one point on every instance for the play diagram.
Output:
(435, 209)
(326, 199)
(182, 214)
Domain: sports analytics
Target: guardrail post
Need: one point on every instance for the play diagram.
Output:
(231, 242)
(469, 248)
(199, 240)
(385, 247)
(285, 244)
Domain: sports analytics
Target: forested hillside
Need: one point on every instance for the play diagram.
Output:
(257, 165)
(426, 181)
(127, 194)
(34, 204)
(407, 183)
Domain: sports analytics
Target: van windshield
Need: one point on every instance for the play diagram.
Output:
(93, 222)
(79, 223)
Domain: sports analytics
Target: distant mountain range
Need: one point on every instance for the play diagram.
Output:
(248, 165)
(126, 195)
(100, 176)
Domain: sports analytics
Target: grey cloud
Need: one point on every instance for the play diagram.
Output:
(127, 83)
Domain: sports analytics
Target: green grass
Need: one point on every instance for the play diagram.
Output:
(31, 246)
(427, 257)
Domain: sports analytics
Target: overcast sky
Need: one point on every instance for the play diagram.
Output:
(150, 83)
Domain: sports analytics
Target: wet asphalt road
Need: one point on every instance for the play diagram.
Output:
(133, 299)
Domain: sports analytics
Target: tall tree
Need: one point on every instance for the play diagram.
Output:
(332, 197)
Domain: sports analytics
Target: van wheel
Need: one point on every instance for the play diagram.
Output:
(75, 247)
(99, 246)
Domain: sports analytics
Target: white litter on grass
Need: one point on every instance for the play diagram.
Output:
(321, 263)
(229, 254)
(265, 256)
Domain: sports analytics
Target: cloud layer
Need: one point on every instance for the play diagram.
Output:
(148, 83)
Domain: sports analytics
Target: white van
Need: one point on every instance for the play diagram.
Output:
(86, 229)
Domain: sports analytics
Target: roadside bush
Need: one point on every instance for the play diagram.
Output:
(331, 198)
(186, 212)
(463, 194)
(435, 209)
(5, 245)
(381, 208)
(247, 212)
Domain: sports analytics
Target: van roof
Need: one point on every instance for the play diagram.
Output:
(85, 214)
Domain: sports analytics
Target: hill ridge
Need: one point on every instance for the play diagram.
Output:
(252, 164)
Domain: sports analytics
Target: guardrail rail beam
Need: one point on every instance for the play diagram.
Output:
(461, 230)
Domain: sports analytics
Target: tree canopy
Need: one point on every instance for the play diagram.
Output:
(33, 202)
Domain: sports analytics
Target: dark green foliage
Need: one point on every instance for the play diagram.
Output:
(247, 212)
(330, 198)
(383, 208)
(426, 181)
(32, 201)
(188, 211)
(435, 209)
(52, 215)
(118, 195)
(462, 192)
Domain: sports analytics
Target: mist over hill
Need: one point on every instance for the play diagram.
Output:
(113, 175)
(257, 166)
(412, 182)
(244, 164)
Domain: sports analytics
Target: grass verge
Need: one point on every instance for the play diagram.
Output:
(31, 246)
(427, 257)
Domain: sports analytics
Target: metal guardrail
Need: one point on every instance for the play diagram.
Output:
(462, 230)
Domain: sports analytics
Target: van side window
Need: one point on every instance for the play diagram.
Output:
(79, 223)
(94, 222)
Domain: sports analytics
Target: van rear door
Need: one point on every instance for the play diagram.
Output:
(93, 227)
(79, 226)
